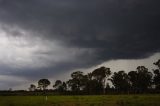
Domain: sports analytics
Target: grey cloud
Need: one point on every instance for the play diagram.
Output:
(82, 23)
(96, 30)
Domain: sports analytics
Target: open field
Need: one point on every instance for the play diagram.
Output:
(108, 100)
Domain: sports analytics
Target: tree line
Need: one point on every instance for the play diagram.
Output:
(103, 81)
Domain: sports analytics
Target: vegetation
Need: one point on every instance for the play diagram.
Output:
(109, 100)
(103, 81)
(43, 84)
(137, 88)
(100, 81)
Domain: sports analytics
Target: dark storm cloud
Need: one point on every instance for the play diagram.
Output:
(88, 23)
(113, 29)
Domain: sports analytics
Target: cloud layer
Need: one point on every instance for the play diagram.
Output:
(44, 38)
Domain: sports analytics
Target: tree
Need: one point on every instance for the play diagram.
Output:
(60, 86)
(32, 87)
(57, 84)
(108, 88)
(157, 63)
(43, 83)
(76, 83)
(91, 86)
(64, 86)
(100, 75)
(120, 81)
(144, 78)
(133, 78)
(156, 79)
(141, 79)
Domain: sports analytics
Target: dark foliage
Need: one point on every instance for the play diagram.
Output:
(99, 82)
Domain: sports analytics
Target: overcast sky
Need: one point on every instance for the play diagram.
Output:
(52, 38)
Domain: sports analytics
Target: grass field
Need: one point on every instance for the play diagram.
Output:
(109, 100)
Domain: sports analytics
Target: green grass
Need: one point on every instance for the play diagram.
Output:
(108, 100)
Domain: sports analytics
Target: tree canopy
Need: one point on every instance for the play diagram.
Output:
(102, 80)
(43, 83)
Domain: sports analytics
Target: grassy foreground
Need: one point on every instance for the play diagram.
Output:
(108, 100)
